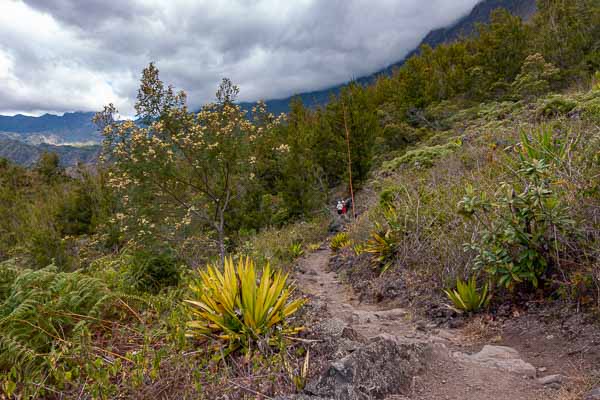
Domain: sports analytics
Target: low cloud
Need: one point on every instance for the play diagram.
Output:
(66, 55)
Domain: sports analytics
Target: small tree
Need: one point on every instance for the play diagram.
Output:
(190, 166)
(48, 166)
(535, 77)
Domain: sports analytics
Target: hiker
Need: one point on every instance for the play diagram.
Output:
(340, 207)
(348, 204)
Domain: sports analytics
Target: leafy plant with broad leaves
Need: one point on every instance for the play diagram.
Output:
(520, 239)
(235, 308)
(467, 297)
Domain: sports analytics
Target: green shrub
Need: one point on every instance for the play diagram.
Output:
(555, 106)
(296, 250)
(535, 77)
(590, 107)
(389, 194)
(423, 156)
(45, 246)
(150, 272)
(75, 212)
(382, 247)
(519, 241)
(278, 245)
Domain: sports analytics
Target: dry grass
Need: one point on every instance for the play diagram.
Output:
(481, 329)
(577, 387)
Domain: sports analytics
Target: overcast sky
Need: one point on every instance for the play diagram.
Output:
(67, 55)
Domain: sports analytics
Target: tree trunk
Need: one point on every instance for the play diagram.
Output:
(221, 237)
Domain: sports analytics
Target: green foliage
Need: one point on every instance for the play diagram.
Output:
(382, 247)
(556, 106)
(519, 242)
(296, 250)
(276, 245)
(388, 195)
(190, 166)
(383, 242)
(75, 213)
(48, 167)
(467, 297)
(535, 77)
(47, 316)
(590, 107)
(151, 272)
(596, 81)
(233, 307)
(499, 51)
(566, 30)
(339, 241)
(423, 157)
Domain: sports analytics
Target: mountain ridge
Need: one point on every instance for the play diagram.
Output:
(462, 27)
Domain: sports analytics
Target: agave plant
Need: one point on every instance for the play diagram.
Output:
(234, 307)
(296, 250)
(339, 241)
(466, 297)
(382, 247)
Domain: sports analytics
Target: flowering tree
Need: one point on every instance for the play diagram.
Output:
(191, 164)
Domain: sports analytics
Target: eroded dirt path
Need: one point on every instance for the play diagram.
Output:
(448, 377)
(316, 279)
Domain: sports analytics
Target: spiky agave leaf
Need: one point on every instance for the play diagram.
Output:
(466, 297)
(235, 307)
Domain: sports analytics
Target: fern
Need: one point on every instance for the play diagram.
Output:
(46, 314)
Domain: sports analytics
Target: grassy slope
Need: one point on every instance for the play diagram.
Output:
(427, 182)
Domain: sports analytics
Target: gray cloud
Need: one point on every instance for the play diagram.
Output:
(64, 55)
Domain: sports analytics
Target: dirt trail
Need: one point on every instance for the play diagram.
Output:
(449, 377)
(316, 279)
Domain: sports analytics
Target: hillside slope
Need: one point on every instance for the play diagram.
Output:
(27, 154)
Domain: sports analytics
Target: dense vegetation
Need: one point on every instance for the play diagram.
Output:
(483, 154)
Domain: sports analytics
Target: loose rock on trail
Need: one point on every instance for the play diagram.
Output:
(383, 354)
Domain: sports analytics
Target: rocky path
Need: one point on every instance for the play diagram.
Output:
(495, 373)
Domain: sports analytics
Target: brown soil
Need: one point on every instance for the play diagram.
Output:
(447, 378)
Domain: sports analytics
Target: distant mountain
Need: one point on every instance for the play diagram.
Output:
(480, 14)
(27, 154)
(464, 26)
(75, 127)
